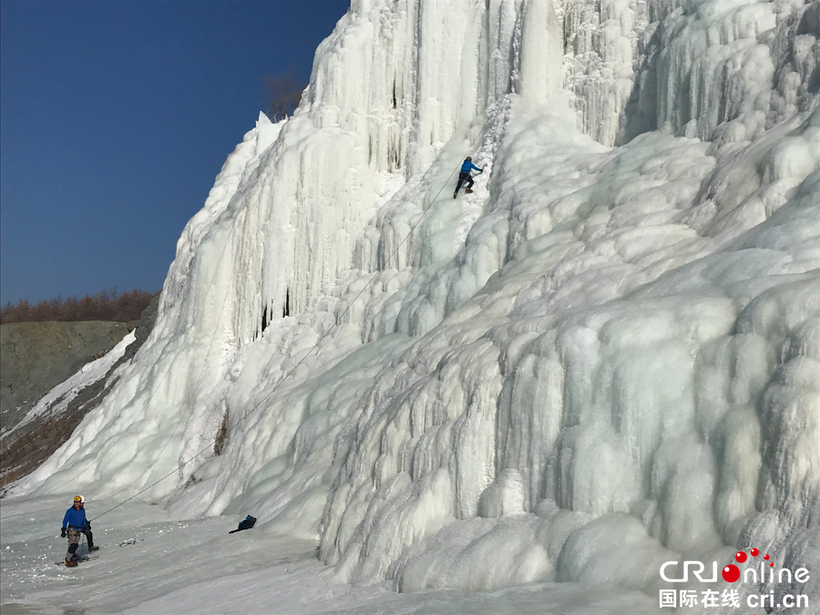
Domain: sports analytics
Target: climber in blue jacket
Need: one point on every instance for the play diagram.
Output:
(464, 176)
(75, 523)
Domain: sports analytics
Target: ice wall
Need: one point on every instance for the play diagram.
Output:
(601, 360)
(713, 69)
(620, 367)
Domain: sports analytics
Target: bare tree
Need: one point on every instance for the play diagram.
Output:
(106, 305)
(285, 94)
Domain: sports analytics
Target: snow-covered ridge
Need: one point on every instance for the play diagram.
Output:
(602, 351)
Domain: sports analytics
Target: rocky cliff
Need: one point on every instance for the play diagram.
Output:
(41, 402)
(37, 356)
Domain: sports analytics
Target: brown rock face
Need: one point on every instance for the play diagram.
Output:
(36, 357)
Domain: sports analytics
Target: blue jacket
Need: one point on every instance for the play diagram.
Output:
(468, 166)
(75, 518)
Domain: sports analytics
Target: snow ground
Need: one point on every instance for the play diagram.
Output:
(194, 566)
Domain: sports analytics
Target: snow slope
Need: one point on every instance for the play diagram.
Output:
(170, 569)
(606, 358)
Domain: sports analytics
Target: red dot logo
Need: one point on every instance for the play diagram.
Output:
(740, 556)
(731, 573)
(754, 552)
(766, 557)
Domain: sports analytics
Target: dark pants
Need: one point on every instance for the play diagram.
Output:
(464, 177)
(74, 540)
(73, 536)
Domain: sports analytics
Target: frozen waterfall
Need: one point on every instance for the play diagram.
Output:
(605, 358)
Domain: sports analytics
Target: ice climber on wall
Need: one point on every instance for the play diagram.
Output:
(75, 522)
(464, 176)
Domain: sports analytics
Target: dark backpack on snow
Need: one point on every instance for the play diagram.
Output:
(247, 524)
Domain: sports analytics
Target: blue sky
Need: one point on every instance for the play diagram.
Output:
(115, 118)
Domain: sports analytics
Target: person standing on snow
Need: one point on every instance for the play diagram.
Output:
(87, 529)
(464, 176)
(75, 522)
